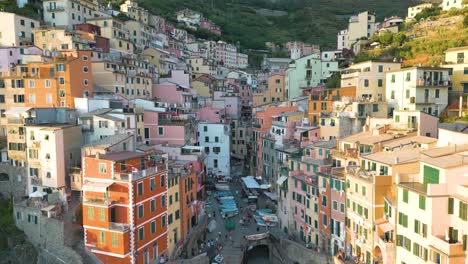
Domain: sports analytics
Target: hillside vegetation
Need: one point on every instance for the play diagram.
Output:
(313, 21)
(422, 42)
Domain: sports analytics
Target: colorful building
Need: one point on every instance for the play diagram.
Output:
(125, 206)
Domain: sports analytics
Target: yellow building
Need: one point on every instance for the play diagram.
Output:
(204, 84)
(114, 29)
(365, 193)
(201, 66)
(173, 211)
(156, 57)
(369, 78)
(457, 60)
(132, 10)
(59, 39)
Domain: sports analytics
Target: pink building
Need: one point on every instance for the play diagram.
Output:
(298, 204)
(210, 26)
(173, 94)
(231, 103)
(179, 77)
(211, 114)
(15, 55)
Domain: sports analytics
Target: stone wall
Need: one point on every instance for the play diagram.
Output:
(296, 253)
(16, 183)
(46, 234)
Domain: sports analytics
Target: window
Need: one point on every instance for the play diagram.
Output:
(152, 184)
(431, 175)
(161, 131)
(325, 220)
(177, 215)
(422, 202)
(207, 139)
(380, 68)
(163, 180)
(32, 98)
(48, 98)
(403, 219)
(463, 210)
(141, 233)
(102, 238)
(363, 190)
(115, 240)
(205, 128)
(392, 96)
(102, 168)
(61, 80)
(163, 201)
(366, 83)
(85, 69)
(216, 139)
(397, 118)
(152, 205)
(335, 205)
(324, 200)
(153, 227)
(102, 214)
(405, 196)
(408, 76)
(465, 70)
(375, 107)
(140, 188)
(47, 83)
(437, 93)
(450, 205)
(140, 211)
(393, 79)
(91, 213)
(163, 221)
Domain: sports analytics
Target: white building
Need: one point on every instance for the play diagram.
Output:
(449, 4)
(360, 26)
(216, 139)
(418, 88)
(414, 10)
(189, 17)
(51, 150)
(16, 30)
(242, 60)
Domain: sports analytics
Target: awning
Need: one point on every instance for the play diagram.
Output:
(272, 196)
(250, 182)
(265, 186)
(281, 180)
(385, 227)
(96, 186)
(16, 111)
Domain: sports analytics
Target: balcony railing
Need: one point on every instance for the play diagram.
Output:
(119, 227)
(136, 175)
(98, 201)
(55, 8)
(448, 247)
(429, 83)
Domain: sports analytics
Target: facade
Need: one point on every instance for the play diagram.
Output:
(456, 59)
(132, 10)
(418, 88)
(414, 10)
(448, 4)
(66, 13)
(368, 78)
(17, 30)
(306, 72)
(360, 26)
(216, 139)
(115, 30)
(125, 206)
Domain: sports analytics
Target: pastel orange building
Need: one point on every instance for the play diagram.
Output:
(58, 82)
(323, 102)
(124, 206)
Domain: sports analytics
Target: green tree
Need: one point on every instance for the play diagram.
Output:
(386, 38)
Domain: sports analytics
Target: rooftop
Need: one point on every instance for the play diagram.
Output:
(368, 138)
(124, 155)
(409, 140)
(108, 141)
(397, 157)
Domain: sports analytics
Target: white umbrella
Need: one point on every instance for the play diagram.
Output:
(37, 194)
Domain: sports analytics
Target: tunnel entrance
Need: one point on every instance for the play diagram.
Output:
(257, 255)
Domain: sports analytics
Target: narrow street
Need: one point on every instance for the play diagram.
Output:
(233, 250)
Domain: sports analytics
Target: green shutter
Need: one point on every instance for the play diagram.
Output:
(115, 240)
(405, 196)
(450, 205)
(398, 240)
(416, 226)
(431, 175)
(422, 202)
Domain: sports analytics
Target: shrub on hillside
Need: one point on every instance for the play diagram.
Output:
(428, 12)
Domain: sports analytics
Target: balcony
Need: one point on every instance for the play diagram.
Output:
(136, 175)
(98, 201)
(55, 8)
(35, 180)
(449, 248)
(433, 83)
(426, 100)
(119, 227)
